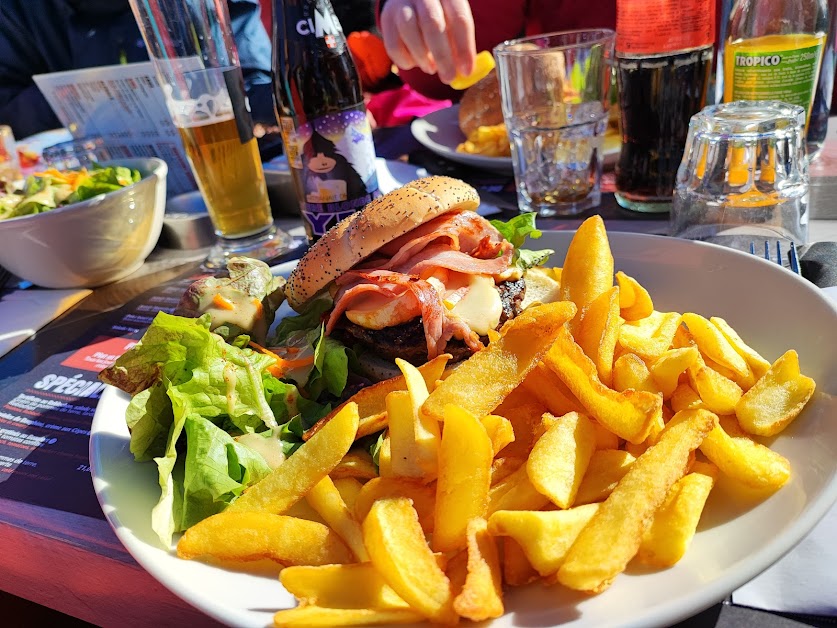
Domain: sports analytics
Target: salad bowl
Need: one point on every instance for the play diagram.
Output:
(91, 242)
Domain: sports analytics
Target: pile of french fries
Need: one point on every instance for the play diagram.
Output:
(588, 434)
(488, 141)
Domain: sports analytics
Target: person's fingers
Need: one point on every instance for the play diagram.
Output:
(409, 30)
(391, 35)
(433, 29)
(460, 32)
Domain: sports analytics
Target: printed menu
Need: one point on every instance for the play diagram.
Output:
(125, 106)
(45, 414)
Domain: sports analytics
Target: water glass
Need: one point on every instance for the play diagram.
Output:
(78, 153)
(194, 54)
(555, 93)
(744, 176)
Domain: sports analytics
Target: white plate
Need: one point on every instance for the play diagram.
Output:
(439, 131)
(771, 308)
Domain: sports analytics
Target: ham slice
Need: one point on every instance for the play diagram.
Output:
(462, 242)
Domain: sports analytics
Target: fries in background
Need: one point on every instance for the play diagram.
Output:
(588, 434)
(488, 141)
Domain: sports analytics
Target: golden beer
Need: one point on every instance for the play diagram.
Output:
(230, 177)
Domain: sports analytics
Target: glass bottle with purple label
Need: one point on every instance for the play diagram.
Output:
(319, 101)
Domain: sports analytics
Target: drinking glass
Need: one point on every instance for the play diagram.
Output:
(192, 47)
(744, 176)
(555, 93)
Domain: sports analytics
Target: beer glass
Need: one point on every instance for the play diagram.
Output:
(554, 90)
(744, 176)
(194, 54)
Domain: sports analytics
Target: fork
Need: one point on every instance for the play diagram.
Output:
(792, 255)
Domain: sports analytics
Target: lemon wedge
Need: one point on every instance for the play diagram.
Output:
(483, 64)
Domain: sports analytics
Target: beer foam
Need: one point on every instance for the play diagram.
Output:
(201, 111)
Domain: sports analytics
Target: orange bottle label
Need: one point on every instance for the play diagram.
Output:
(659, 26)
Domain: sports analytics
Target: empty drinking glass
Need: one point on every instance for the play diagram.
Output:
(555, 96)
(744, 175)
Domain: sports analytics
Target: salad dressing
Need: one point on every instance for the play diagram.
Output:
(229, 305)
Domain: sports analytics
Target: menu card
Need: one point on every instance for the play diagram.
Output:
(46, 414)
(125, 106)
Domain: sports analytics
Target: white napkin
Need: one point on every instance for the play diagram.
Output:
(23, 312)
(805, 580)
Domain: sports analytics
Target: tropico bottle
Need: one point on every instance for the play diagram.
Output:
(319, 103)
(774, 50)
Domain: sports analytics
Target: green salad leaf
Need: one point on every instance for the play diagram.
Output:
(516, 231)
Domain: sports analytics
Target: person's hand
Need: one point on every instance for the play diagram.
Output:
(434, 35)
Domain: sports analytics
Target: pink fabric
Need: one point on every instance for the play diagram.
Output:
(401, 106)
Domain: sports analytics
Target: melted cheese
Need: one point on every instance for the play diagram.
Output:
(480, 307)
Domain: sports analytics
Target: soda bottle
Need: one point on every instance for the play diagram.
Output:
(319, 103)
(663, 64)
(774, 50)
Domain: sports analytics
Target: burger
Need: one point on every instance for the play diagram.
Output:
(415, 274)
(480, 105)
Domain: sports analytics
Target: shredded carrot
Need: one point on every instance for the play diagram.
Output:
(258, 306)
(222, 303)
(282, 365)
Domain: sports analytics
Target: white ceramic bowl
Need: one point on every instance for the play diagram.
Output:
(93, 242)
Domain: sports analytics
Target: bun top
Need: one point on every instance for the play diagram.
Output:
(480, 105)
(390, 216)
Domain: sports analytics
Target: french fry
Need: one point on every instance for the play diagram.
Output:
(481, 383)
(349, 489)
(757, 363)
(422, 496)
(605, 439)
(669, 536)
(318, 617)
(546, 388)
(630, 415)
(612, 537)
(630, 372)
(327, 501)
(515, 492)
(606, 468)
(649, 337)
(482, 595)
(503, 467)
(684, 397)
(371, 400)
(598, 331)
(314, 460)
(560, 457)
(325, 586)
(247, 536)
(588, 266)
(399, 552)
(517, 570)
(744, 460)
(714, 345)
(355, 464)
(667, 369)
(544, 536)
(500, 431)
(634, 301)
(776, 399)
(720, 394)
(464, 479)
(410, 458)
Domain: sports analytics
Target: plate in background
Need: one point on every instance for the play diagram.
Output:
(439, 131)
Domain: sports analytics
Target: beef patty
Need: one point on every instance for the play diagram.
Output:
(407, 341)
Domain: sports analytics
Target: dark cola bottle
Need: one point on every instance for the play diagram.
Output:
(319, 102)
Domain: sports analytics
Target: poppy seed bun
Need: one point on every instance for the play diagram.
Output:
(480, 105)
(355, 238)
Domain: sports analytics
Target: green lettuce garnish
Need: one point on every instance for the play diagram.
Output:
(516, 231)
